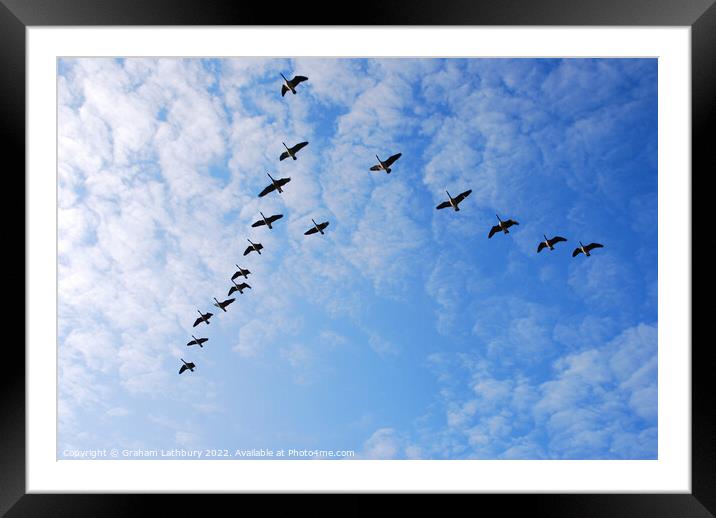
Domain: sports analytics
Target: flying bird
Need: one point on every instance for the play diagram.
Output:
(585, 249)
(267, 221)
(316, 228)
(454, 202)
(385, 166)
(502, 226)
(197, 341)
(253, 247)
(222, 305)
(291, 151)
(241, 273)
(187, 366)
(238, 287)
(549, 243)
(203, 318)
(291, 85)
(274, 185)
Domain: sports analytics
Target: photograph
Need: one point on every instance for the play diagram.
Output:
(357, 258)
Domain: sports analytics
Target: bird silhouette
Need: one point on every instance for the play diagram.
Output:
(291, 85)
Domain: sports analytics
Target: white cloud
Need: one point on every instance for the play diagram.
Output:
(118, 412)
(383, 444)
(598, 402)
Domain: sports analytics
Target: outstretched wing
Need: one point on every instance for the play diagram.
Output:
(392, 159)
(310, 231)
(198, 321)
(267, 190)
(298, 79)
(227, 302)
(248, 249)
(232, 290)
(322, 226)
(244, 285)
(240, 273)
(592, 246)
(193, 342)
(259, 222)
(284, 89)
(283, 181)
(298, 147)
(541, 246)
(510, 222)
(462, 196)
(284, 155)
(273, 218)
(259, 246)
(376, 167)
(576, 252)
(494, 229)
(183, 368)
(557, 239)
(443, 205)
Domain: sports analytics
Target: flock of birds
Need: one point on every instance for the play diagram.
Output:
(318, 228)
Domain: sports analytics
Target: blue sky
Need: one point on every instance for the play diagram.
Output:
(403, 332)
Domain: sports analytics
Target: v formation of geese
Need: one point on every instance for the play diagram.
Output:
(319, 228)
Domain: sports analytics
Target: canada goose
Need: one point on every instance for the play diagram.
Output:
(502, 225)
(241, 273)
(316, 228)
(549, 243)
(385, 166)
(274, 185)
(291, 85)
(222, 305)
(291, 151)
(267, 221)
(585, 249)
(453, 202)
(197, 341)
(238, 287)
(203, 318)
(254, 247)
(187, 366)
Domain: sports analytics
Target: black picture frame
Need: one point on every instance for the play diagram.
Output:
(700, 15)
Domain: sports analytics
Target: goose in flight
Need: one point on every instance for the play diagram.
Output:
(316, 228)
(385, 166)
(274, 185)
(267, 221)
(502, 226)
(241, 273)
(291, 151)
(222, 305)
(253, 247)
(291, 85)
(582, 249)
(197, 341)
(203, 318)
(238, 287)
(454, 202)
(187, 366)
(549, 243)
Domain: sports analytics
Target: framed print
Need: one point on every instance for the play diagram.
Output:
(286, 266)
